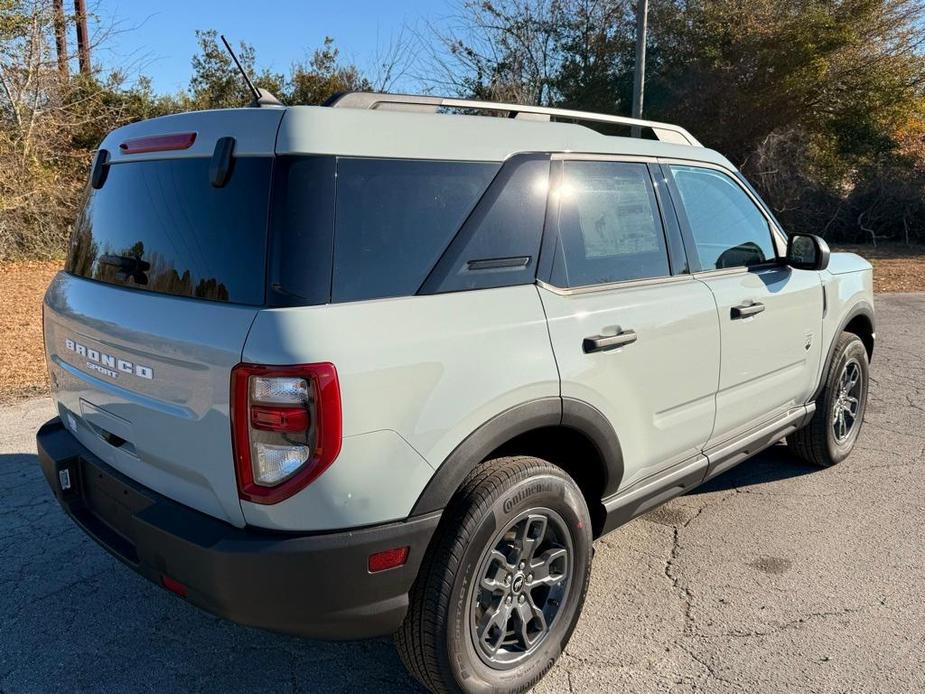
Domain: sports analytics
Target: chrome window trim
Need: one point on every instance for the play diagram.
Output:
(612, 286)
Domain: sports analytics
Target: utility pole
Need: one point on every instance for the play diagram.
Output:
(60, 37)
(83, 36)
(639, 76)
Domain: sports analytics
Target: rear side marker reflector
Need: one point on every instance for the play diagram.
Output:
(389, 559)
(158, 143)
(174, 586)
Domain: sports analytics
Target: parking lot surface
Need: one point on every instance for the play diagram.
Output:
(775, 577)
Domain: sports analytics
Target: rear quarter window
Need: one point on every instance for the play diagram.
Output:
(395, 218)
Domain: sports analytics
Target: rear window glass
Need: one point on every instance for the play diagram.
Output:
(161, 226)
(395, 218)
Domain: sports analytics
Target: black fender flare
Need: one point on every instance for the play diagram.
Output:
(861, 308)
(520, 419)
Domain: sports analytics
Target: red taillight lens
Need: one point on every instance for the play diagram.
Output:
(286, 427)
(389, 559)
(279, 418)
(158, 143)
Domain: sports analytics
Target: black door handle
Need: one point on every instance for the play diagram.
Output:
(746, 310)
(605, 343)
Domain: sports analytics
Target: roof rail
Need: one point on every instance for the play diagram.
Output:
(666, 132)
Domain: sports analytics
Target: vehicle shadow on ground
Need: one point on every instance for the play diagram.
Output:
(771, 465)
(75, 619)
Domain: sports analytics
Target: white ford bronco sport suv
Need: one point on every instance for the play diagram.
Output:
(390, 366)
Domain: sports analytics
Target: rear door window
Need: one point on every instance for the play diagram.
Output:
(395, 218)
(161, 226)
(610, 229)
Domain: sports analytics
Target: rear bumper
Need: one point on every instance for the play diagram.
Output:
(313, 585)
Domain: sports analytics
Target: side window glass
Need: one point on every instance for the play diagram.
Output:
(609, 225)
(394, 219)
(728, 228)
(500, 241)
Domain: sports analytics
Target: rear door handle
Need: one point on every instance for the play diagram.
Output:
(746, 310)
(605, 343)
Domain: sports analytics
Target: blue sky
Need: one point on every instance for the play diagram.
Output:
(158, 38)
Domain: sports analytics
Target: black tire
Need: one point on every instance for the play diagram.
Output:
(436, 641)
(817, 442)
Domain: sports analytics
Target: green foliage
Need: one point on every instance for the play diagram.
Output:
(50, 124)
(821, 102)
(321, 76)
(812, 98)
(216, 81)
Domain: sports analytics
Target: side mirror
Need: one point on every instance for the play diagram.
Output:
(807, 252)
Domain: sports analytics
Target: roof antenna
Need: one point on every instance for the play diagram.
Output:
(261, 96)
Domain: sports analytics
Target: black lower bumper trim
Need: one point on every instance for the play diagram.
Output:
(314, 585)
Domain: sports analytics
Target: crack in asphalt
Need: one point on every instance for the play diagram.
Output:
(684, 592)
(711, 671)
(797, 623)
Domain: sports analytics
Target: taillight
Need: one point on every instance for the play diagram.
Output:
(286, 426)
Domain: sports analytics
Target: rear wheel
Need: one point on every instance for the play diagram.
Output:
(502, 587)
(832, 432)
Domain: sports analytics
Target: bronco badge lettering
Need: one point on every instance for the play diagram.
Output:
(108, 364)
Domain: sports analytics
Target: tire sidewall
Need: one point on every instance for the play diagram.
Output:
(543, 490)
(853, 349)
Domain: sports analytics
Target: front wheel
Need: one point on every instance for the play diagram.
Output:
(832, 432)
(502, 587)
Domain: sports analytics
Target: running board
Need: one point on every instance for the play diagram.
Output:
(727, 455)
(679, 479)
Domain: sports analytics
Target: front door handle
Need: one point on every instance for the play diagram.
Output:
(605, 343)
(746, 310)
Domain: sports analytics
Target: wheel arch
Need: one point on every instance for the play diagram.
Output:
(568, 433)
(859, 320)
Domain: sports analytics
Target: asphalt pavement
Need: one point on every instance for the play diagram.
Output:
(775, 577)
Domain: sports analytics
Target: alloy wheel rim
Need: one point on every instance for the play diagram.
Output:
(520, 588)
(847, 406)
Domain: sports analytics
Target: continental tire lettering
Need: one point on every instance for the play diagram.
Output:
(512, 501)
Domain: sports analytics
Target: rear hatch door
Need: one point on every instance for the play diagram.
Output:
(164, 277)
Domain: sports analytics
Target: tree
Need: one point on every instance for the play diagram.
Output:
(49, 126)
(505, 50)
(216, 81)
(812, 98)
(322, 75)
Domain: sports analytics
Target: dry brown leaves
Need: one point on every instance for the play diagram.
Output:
(897, 268)
(22, 286)
(22, 354)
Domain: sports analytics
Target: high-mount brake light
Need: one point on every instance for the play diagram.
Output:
(158, 143)
(286, 427)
